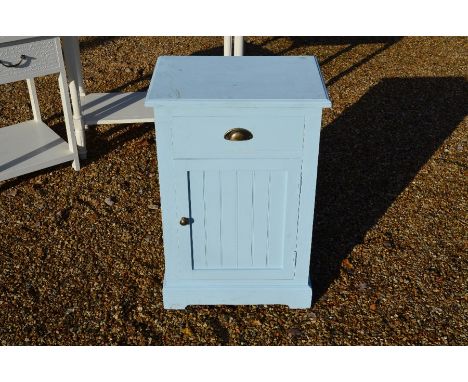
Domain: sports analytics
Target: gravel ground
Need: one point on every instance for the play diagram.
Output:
(389, 261)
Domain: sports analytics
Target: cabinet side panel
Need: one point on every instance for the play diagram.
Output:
(173, 264)
(307, 193)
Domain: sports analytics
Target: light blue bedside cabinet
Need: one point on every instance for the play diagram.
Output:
(237, 145)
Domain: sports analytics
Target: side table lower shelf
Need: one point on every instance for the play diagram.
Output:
(115, 108)
(30, 146)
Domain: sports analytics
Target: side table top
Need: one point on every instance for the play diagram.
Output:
(7, 39)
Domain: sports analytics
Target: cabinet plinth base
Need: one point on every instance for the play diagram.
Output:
(296, 296)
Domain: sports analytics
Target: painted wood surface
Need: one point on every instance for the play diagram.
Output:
(113, 108)
(203, 137)
(42, 57)
(243, 216)
(33, 98)
(248, 203)
(31, 145)
(247, 78)
(98, 108)
(75, 80)
(237, 191)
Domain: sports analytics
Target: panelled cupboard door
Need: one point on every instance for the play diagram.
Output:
(243, 218)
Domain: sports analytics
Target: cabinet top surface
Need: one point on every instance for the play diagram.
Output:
(231, 78)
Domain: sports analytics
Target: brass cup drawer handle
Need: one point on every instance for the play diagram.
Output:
(238, 134)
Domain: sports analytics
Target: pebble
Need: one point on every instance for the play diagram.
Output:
(13, 192)
(347, 264)
(295, 332)
(362, 287)
(387, 244)
(62, 214)
(109, 202)
(153, 206)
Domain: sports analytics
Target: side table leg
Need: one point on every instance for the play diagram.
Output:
(68, 121)
(34, 102)
(75, 43)
(72, 64)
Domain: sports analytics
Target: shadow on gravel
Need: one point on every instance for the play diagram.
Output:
(368, 156)
(349, 43)
(99, 145)
(262, 49)
(94, 42)
(106, 146)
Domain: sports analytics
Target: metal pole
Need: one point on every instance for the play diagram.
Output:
(228, 45)
(238, 45)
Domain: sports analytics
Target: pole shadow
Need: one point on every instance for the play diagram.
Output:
(93, 42)
(348, 43)
(369, 155)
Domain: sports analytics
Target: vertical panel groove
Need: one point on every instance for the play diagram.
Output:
(268, 221)
(245, 218)
(237, 219)
(253, 219)
(220, 217)
(190, 215)
(229, 223)
(204, 219)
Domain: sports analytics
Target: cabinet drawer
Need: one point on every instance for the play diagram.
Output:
(270, 137)
(41, 57)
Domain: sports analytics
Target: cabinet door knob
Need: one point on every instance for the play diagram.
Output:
(184, 221)
(238, 134)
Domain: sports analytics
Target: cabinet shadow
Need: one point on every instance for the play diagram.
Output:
(368, 156)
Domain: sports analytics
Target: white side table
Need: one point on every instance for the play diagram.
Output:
(32, 145)
(99, 108)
